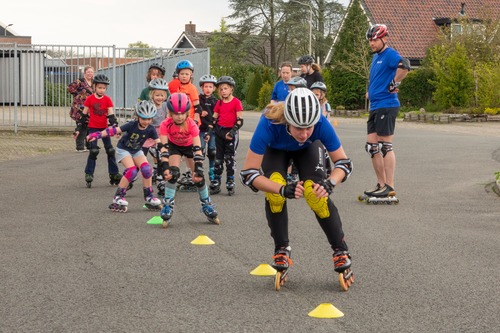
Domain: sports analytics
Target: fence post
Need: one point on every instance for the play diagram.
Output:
(114, 74)
(16, 87)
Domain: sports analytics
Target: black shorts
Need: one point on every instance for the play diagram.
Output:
(382, 121)
(174, 149)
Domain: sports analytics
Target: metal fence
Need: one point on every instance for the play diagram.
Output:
(34, 78)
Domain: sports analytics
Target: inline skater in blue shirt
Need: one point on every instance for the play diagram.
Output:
(297, 130)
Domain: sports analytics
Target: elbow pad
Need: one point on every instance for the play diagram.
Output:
(346, 166)
(405, 64)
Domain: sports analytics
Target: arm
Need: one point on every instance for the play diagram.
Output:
(251, 177)
(110, 131)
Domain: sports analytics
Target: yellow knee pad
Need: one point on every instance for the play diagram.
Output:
(318, 205)
(276, 201)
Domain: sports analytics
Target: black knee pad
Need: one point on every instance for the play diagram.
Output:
(218, 167)
(211, 154)
(110, 151)
(200, 184)
(94, 151)
(176, 173)
(386, 147)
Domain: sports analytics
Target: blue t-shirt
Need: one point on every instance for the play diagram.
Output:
(382, 72)
(133, 138)
(280, 91)
(269, 134)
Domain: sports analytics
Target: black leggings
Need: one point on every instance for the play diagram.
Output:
(310, 163)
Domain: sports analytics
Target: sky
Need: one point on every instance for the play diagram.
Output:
(112, 22)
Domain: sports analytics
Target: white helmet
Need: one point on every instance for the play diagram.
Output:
(145, 109)
(302, 108)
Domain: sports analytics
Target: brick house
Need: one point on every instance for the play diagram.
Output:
(414, 25)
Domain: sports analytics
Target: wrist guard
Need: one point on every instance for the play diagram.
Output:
(112, 120)
(95, 135)
(111, 131)
(327, 185)
(288, 191)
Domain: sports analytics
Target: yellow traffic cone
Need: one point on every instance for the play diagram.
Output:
(202, 240)
(155, 220)
(264, 270)
(326, 310)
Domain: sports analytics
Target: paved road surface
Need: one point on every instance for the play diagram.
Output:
(429, 264)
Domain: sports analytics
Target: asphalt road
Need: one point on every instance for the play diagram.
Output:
(429, 264)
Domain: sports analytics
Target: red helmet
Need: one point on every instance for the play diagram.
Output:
(376, 31)
(178, 103)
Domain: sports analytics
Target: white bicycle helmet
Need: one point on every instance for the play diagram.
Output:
(158, 84)
(207, 78)
(302, 108)
(145, 109)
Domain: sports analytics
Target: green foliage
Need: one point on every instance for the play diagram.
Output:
(488, 81)
(351, 59)
(265, 95)
(140, 50)
(56, 94)
(347, 88)
(416, 89)
(454, 80)
(254, 85)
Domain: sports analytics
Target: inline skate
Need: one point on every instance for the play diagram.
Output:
(161, 188)
(167, 212)
(152, 203)
(89, 178)
(208, 208)
(215, 185)
(185, 183)
(281, 264)
(230, 185)
(119, 203)
(114, 178)
(342, 264)
(382, 195)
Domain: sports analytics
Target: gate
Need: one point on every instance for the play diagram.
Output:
(34, 78)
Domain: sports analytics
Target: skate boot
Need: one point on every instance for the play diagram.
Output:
(167, 211)
(386, 195)
(368, 193)
(215, 185)
(114, 178)
(230, 185)
(152, 203)
(185, 183)
(154, 178)
(208, 208)
(89, 178)
(342, 265)
(161, 188)
(281, 264)
(119, 203)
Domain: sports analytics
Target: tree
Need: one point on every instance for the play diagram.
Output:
(140, 50)
(351, 59)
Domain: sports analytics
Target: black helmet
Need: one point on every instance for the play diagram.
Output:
(306, 60)
(226, 79)
(158, 66)
(100, 78)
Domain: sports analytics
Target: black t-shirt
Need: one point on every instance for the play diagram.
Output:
(311, 78)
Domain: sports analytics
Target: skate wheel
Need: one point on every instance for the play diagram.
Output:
(277, 281)
(361, 198)
(214, 220)
(165, 224)
(89, 185)
(346, 278)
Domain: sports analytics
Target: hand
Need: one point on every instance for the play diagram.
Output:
(204, 113)
(393, 87)
(75, 134)
(112, 120)
(292, 191)
(322, 189)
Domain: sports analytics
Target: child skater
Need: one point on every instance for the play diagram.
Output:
(98, 108)
(207, 102)
(228, 119)
(319, 89)
(155, 71)
(130, 154)
(183, 84)
(179, 137)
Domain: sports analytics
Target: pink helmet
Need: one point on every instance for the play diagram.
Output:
(178, 103)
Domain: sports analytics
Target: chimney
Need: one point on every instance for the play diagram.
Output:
(190, 28)
(462, 11)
